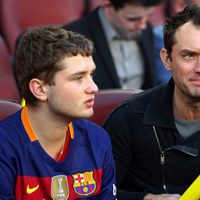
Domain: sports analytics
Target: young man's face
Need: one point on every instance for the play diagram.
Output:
(130, 20)
(185, 62)
(73, 93)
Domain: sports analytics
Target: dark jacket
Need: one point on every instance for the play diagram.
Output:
(151, 156)
(106, 74)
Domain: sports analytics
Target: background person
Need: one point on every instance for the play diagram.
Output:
(156, 134)
(123, 42)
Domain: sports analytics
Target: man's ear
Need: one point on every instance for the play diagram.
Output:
(165, 58)
(179, 5)
(38, 89)
(106, 3)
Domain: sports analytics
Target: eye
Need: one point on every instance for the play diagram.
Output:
(189, 55)
(134, 19)
(92, 74)
(78, 77)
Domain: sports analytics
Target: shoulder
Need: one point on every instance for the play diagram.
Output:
(10, 124)
(82, 24)
(136, 104)
(158, 31)
(86, 130)
(147, 36)
(148, 31)
(11, 133)
(140, 101)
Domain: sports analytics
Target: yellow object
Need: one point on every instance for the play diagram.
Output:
(193, 192)
(23, 102)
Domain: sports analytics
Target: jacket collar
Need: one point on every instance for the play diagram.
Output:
(102, 47)
(159, 111)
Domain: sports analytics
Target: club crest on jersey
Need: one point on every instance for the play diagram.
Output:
(59, 188)
(84, 183)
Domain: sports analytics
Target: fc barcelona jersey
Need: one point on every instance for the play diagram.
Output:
(27, 172)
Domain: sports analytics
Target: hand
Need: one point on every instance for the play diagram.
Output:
(162, 197)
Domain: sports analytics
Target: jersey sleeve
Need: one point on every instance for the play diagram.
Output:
(108, 189)
(7, 171)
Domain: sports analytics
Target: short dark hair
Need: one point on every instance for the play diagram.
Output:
(190, 13)
(40, 51)
(118, 4)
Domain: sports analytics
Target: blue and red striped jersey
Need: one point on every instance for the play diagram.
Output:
(28, 172)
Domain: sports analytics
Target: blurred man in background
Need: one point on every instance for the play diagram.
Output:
(123, 40)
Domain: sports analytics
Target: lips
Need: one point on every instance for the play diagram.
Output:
(90, 103)
(195, 81)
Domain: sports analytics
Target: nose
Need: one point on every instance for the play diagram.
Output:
(92, 87)
(141, 24)
(197, 68)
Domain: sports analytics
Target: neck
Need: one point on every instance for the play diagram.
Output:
(50, 132)
(184, 107)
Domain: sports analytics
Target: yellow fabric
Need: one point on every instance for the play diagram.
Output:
(193, 192)
(23, 102)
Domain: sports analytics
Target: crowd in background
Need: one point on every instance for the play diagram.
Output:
(113, 55)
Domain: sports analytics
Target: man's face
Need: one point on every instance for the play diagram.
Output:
(185, 60)
(73, 94)
(130, 20)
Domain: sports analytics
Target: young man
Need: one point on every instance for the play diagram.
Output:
(156, 134)
(123, 42)
(46, 150)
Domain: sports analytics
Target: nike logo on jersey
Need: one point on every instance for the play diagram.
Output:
(30, 190)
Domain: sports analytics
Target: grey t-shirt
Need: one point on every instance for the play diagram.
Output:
(187, 127)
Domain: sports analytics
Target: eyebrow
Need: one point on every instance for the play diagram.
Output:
(188, 51)
(81, 73)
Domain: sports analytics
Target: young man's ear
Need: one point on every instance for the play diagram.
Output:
(165, 58)
(38, 89)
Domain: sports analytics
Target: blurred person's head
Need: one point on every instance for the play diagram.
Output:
(40, 54)
(129, 17)
(173, 6)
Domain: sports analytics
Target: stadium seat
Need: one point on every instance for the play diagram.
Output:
(5, 63)
(106, 100)
(17, 15)
(8, 87)
(7, 108)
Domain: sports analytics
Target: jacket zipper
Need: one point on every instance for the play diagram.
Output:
(162, 160)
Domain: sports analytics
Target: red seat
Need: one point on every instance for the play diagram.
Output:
(17, 15)
(8, 88)
(107, 100)
(5, 63)
(7, 108)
